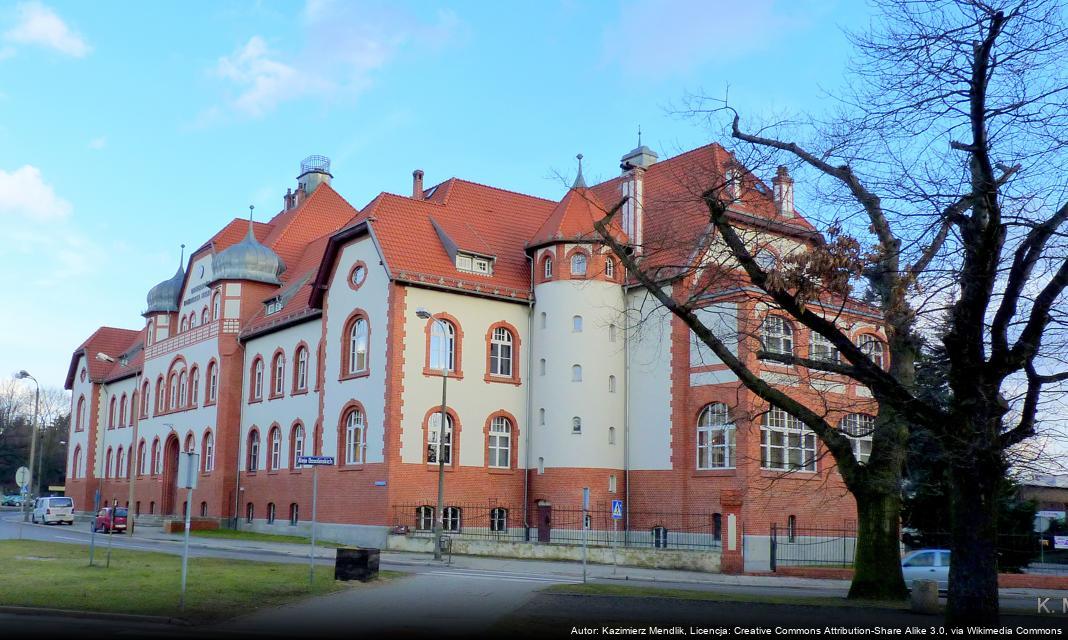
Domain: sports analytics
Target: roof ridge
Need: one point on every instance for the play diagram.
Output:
(511, 191)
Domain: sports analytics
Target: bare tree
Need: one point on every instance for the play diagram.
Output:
(942, 188)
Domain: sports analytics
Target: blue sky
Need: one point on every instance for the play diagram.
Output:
(129, 128)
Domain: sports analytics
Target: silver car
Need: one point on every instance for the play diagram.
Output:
(927, 564)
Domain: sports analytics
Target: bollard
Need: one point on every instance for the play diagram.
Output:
(924, 596)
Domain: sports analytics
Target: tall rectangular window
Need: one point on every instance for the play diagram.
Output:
(785, 443)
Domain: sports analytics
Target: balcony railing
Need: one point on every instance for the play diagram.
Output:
(193, 336)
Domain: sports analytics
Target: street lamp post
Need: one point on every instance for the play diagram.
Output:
(22, 375)
(439, 521)
(134, 461)
(101, 464)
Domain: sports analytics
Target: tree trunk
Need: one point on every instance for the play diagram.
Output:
(973, 572)
(877, 567)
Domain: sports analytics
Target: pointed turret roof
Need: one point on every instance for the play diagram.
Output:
(572, 219)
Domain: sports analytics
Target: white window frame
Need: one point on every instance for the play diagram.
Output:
(499, 519)
(820, 348)
(501, 353)
(786, 436)
(252, 460)
(548, 267)
(209, 452)
(576, 424)
(213, 381)
(355, 436)
(860, 428)
(257, 379)
(609, 268)
(716, 446)
(442, 345)
(452, 520)
(579, 264)
(276, 449)
(500, 443)
(424, 518)
(359, 337)
(279, 374)
(298, 445)
(873, 347)
(432, 431)
(777, 335)
(302, 368)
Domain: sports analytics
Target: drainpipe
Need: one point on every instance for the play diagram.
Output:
(626, 414)
(530, 402)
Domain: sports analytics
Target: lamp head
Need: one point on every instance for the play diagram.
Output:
(103, 357)
(423, 313)
(23, 374)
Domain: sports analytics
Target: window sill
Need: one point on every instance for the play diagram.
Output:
(275, 396)
(209, 404)
(433, 467)
(295, 471)
(786, 474)
(489, 377)
(725, 472)
(255, 400)
(436, 373)
(500, 472)
(352, 376)
(299, 392)
(351, 467)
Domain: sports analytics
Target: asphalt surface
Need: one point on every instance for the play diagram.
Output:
(474, 597)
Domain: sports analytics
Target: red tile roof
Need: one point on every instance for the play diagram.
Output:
(573, 219)
(111, 341)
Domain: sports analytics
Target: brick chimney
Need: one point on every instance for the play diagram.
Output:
(417, 184)
(783, 188)
(290, 200)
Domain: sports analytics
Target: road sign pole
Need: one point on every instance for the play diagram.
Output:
(585, 528)
(315, 500)
(92, 536)
(185, 547)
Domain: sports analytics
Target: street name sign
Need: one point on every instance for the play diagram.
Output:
(313, 461)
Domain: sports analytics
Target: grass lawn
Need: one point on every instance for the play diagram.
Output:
(232, 534)
(57, 576)
(617, 590)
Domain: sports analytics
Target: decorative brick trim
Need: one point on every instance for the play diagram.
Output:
(458, 339)
(346, 346)
(454, 453)
(342, 427)
(513, 442)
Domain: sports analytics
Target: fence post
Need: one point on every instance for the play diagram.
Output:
(774, 541)
(731, 553)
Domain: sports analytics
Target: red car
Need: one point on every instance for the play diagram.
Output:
(110, 520)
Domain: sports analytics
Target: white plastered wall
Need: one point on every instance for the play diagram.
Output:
(649, 382)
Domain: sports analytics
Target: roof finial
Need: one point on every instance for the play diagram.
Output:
(639, 134)
(250, 208)
(580, 182)
(181, 258)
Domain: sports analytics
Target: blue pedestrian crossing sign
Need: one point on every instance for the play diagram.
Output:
(617, 509)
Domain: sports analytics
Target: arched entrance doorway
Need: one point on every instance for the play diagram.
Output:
(170, 474)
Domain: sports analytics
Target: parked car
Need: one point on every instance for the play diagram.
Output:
(54, 509)
(927, 564)
(110, 520)
(13, 500)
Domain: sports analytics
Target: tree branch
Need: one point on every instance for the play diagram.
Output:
(809, 363)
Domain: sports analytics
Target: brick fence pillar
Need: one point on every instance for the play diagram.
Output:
(731, 560)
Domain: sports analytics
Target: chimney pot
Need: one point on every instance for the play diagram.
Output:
(783, 187)
(417, 184)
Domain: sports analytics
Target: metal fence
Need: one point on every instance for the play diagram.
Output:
(1015, 551)
(564, 526)
(812, 546)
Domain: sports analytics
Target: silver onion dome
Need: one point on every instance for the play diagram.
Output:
(164, 296)
(248, 260)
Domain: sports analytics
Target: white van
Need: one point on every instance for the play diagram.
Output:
(56, 509)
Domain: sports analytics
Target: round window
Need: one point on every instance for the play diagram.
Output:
(359, 274)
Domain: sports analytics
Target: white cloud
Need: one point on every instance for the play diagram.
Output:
(25, 194)
(338, 50)
(98, 143)
(39, 25)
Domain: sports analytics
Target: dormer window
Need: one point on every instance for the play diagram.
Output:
(274, 306)
(474, 264)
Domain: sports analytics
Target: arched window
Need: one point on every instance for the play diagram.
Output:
(144, 399)
(354, 436)
(215, 304)
(500, 443)
(161, 395)
(190, 444)
(296, 446)
(257, 379)
(357, 351)
(193, 320)
(194, 386)
(611, 384)
(209, 452)
(79, 420)
(300, 380)
(76, 463)
(785, 443)
(424, 518)
(250, 513)
(276, 449)
(278, 375)
(252, 463)
(498, 519)
(183, 389)
(777, 335)
(204, 316)
(204, 505)
(185, 324)
(120, 459)
(859, 427)
(791, 528)
(821, 348)
(213, 381)
(133, 403)
(122, 411)
(172, 388)
(107, 464)
(576, 425)
(150, 334)
(873, 348)
(270, 513)
(544, 319)
(501, 352)
(435, 443)
(141, 461)
(576, 373)
(157, 457)
(611, 435)
(715, 438)
(541, 417)
(541, 367)
(111, 413)
(548, 267)
(442, 345)
(576, 324)
(294, 514)
(612, 333)
(578, 264)
(609, 268)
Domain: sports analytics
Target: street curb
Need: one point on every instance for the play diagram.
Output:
(94, 615)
